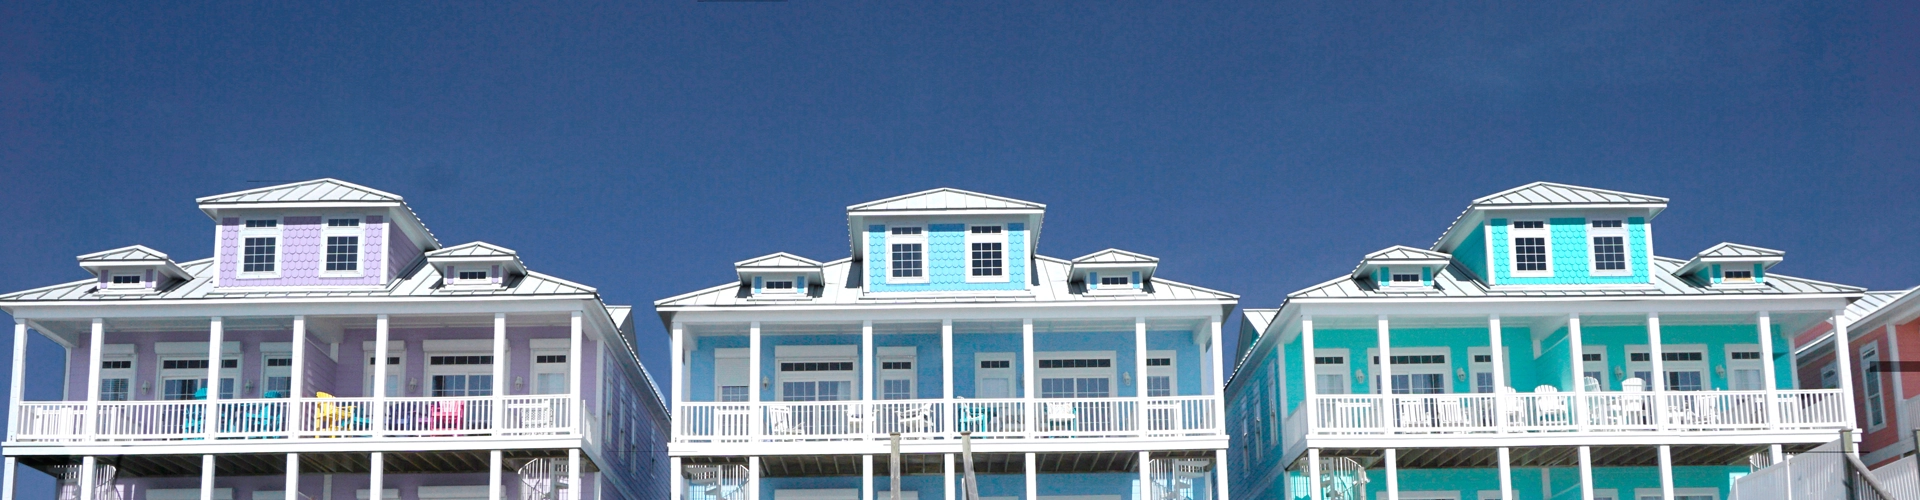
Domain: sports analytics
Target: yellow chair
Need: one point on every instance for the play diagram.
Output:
(336, 417)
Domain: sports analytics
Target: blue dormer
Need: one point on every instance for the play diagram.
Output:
(1546, 234)
(1731, 265)
(780, 276)
(945, 240)
(1113, 271)
(1401, 269)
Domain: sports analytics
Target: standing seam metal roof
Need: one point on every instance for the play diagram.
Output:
(1054, 287)
(1458, 282)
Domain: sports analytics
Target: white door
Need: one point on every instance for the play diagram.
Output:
(993, 377)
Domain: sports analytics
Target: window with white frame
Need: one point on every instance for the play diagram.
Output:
(126, 279)
(183, 372)
(906, 254)
(777, 286)
(1075, 374)
(1829, 377)
(1739, 276)
(1530, 250)
(260, 248)
(1162, 374)
(1481, 366)
(457, 374)
(117, 372)
(1121, 281)
(1745, 367)
(731, 375)
(1593, 365)
(816, 372)
(343, 247)
(1609, 247)
(471, 275)
(993, 375)
(986, 256)
(897, 375)
(276, 368)
(1404, 279)
(1685, 364)
(551, 368)
(1416, 370)
(396, 368)
(1870, 385)
(1330, 372)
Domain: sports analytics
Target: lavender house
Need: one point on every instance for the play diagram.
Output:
(334, 348)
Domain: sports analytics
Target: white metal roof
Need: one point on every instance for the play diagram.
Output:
(1739, 250)
(1873, 302)
(1552, 193)
(1259, 318)
(1397, 254)
(135, 253)
(418, 281)
(1457, 282)
(945, 199)
(317, 190)
(777, 260)
(1117, 256)
(474, 249)
(1053, 287)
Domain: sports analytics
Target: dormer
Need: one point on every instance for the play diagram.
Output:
(476, 265)
(780, 276)
(1113, 271)
(1401, 269)
(132, 270)
(323, 233)
(946, 241)
(1731, 265)
(1556, 235)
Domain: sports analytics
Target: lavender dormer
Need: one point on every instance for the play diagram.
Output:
(323, 233)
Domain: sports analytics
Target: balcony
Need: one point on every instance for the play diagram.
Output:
(119, 422)
(1603, 415)
(940, 419)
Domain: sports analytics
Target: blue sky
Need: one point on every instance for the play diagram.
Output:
(1256, 147)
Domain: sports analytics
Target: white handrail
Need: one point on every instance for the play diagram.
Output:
(1554, 412)
(716, 422)
(173, 420)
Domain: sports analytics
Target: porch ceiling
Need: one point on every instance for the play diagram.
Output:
(259, 464)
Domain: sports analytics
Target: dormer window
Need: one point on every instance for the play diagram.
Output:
(1732, 276)
(906, 256)
(986, 257)
(127, 281)
(260, 248)
(343, 247)
(1530, 250)
(780, 286)
(1405, 280)
(1609, 244)
(1116, 281)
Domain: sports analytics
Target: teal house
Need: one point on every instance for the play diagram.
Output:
(1540, 349)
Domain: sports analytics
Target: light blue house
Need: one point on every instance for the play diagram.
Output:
(1540, 349)
(1084, 379)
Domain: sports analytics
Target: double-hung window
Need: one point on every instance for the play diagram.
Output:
(906, 254)
(1609, 247)
(116, 372)
(342, 237)
(276, 372)
(1870, 385)
(986, 253)
(1530, 250)
(897, 375)
(731, 375)
(260, 248)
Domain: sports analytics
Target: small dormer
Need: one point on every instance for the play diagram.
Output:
(476, 265)
(780, 276)
(1731, 265)
(134, 269)
(1402, 269)
(1114, 271)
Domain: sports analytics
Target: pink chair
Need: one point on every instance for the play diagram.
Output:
(447, 415)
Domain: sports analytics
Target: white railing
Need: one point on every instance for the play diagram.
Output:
(1564, 412)
(315, 418)
(712, 422)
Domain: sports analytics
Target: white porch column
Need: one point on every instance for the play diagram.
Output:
(1579, 347)
(1384, 387)
(1307, 403)
(1220, 474)
(495, 491)
(947, 467)
(16, 387)
(753, 478)
(1033, 477)
(1029, 380)
(1843, 363)
(676, 482)
(297, 386)
(753, 391)
(1506, 468)
(87, 464)
(1657, 359)
(1767, 372)
(379, 387)
(679, 378)
(1316, 492)
(95, 343)
(866, 477)
(1393, 473)
(946, 361)
(574, 488)
(1666, 472)
(574, 381)
(1146, 483)
(216, 335)
(206, 477)
(1140, 383)
(501, 386)
(13, 465)
(376, 473)
(1500, 396)
(1219, 384)
(292, 488)
(867, 354)
(1586, 473)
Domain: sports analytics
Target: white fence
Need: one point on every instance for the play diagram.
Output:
(1600, 411)
(943, 419)
(1820, 474)
(310, 418)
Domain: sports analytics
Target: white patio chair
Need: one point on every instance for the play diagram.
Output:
(780, 420)
(1413, 413)
(916, 419)
(1062, 414)
(1633, 404)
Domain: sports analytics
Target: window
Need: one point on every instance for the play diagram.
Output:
(1870, 385)
(785, 286)
(1609, 253)
(1405, 279)
(184, 378)
(1481, 365)
(278, 374)
(906, 258)
(994, 379)
(343, 222)
(116, 378)
(1744, 368)
(471, 276)
(1685, 366)
(1594, 365)
(343, 253)
(125, 281)
(731, 374)
(1117, 281)
(1076, 375)
(1529, 247)
(1420, 371)
(396, 368)
(986, 258)
(460, 375)
(260, 248)
(897, 378)
(1732, 276)
(1160, 379)
(550, 368)
(1330, 372)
